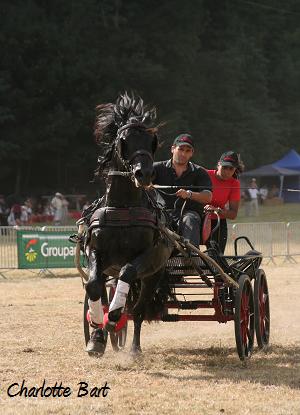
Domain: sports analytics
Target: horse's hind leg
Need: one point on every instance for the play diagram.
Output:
(145, 308)
(136, 341)
(94, 288)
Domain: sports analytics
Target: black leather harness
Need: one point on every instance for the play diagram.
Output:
(123, 217)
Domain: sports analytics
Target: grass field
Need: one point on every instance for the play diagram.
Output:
(187, 367)
(288, 212)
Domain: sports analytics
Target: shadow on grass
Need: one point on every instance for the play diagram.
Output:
(278, 365)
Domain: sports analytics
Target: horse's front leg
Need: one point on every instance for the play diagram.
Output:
(94, 288)
(126, 276)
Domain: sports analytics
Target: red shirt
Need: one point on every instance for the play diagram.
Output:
(223, 191)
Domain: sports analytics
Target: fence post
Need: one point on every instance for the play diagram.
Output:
(289, 257)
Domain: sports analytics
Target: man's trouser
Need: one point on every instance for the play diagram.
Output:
(189, 226)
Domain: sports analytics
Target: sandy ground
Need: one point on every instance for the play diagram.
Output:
(186, 367)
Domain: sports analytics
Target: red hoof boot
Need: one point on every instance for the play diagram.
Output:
(110, 320)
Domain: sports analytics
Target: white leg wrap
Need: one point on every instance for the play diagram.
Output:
(120, 296)
(96, 311)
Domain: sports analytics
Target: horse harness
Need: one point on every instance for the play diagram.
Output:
(124, 217)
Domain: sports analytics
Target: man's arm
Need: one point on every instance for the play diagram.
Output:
(203, 197)
(203, 181)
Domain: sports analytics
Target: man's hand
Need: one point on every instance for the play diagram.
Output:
(184, 194)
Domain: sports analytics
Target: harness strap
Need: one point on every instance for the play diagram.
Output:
(125, 217)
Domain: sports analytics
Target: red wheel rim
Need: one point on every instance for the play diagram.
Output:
(244, 318)
(263, 308)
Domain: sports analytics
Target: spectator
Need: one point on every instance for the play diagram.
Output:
(274, 191)
(254, 193)
(247, 200)
(26, 212)
(47, 212)
(65, 208)
(4, 211)
(263, 191)
(58, 208)
(14, 217)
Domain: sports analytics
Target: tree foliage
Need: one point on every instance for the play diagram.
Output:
(227, 72)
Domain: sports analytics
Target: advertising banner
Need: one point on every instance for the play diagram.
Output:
(45, 249)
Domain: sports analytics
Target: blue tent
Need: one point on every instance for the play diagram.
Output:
(291, 161)
(287, 169)
(270, 170)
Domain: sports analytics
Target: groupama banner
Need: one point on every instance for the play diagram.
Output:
(45, 249)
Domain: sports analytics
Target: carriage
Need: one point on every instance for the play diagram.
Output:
(129, 244)
(222, 288)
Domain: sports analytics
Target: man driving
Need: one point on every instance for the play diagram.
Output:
(179, 171)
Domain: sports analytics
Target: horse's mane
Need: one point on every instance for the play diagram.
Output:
(110, 117)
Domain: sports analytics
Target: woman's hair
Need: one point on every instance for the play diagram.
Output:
(240, 168)
(236, 158)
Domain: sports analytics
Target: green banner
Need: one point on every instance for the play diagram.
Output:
(45, 249)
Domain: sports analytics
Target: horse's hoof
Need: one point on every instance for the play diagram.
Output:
(136, 352)
(97, 343)
(111, 319)
(110, 326)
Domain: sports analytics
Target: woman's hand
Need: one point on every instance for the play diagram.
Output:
(211, 208)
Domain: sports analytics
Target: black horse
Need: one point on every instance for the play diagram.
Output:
(124, 239)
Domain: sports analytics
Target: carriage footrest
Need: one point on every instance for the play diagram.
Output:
(189, 305)
(170, 317)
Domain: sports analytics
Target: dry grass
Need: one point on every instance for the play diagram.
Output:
(186, 367)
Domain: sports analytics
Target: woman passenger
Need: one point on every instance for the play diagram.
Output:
(226, 194)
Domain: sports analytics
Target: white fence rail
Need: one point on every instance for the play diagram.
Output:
(273, 239)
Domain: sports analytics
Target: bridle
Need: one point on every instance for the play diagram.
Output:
(126, 163)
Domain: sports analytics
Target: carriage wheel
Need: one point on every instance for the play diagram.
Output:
(262, 309)
(117, 339)
(86, 325)
(244, 318)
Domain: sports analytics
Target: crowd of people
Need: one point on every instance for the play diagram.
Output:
(253, 196)
(30, 210)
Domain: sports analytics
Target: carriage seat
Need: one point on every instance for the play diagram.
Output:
(248, 265)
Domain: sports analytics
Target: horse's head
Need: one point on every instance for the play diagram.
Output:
(135, 148)
(132, 141)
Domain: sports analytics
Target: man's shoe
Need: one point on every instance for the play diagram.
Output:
(97, 342)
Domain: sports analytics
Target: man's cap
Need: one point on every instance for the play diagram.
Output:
(184, 140)
(57, 194)
(230, 158)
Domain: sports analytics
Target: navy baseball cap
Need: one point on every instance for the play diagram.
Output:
(184, 140)
(230, 158)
